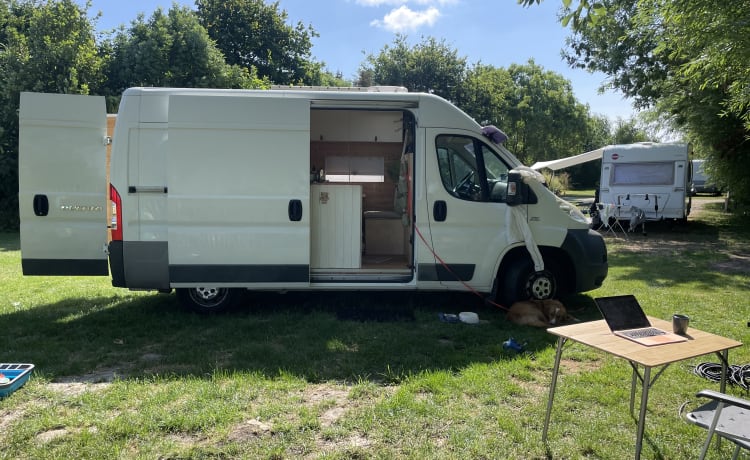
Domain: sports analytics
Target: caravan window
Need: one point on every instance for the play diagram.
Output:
(652, 173)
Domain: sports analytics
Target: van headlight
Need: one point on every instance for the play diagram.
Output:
(572, 211)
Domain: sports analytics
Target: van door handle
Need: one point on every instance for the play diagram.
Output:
(295, 210)
(439, 211)
(41, 205)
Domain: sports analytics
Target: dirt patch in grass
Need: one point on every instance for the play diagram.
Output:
(74, 385)
(738, 257)
(76, 388)
(349, 445)
(680, 240)
(333, 400)
(249, 429)
(334, 403)
(737, 263)
(572, 366)
(336, 398)
(7, 417)
(50, 435)
(658, 245)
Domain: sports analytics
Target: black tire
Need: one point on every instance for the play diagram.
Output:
(208, 301)
(521, 282)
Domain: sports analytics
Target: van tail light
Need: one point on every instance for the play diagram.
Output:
(116, 223)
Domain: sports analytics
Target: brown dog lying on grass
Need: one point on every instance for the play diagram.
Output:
(539, 313)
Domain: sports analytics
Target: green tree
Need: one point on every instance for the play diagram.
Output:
(253, 34)
(687, 59)
(542, 117)
(546, 119)
(430, 66)
(598, 134)
(171, 49)
(536, 108)
(485, 95)
(616, 45)
(629, 132)
(317, 75)
(45, 47)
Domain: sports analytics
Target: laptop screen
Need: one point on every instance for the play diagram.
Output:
(622, 312)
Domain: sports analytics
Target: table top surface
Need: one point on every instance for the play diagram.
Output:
(597, 334)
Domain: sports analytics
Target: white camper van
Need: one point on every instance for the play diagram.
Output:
(652, 177)
(213, 192)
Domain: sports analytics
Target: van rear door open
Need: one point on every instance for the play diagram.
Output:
(62, 184)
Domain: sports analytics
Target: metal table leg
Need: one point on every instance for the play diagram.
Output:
(646, 384)
(560, 342)
(632, 388)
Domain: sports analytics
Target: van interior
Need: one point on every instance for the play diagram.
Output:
(361, 170)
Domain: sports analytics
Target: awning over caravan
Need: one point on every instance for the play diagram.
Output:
(562, 163)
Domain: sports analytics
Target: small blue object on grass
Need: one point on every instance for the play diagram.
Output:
(511, 344)
(13, 377)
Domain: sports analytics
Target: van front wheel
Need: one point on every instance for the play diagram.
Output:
(208, 300)
(522, 282)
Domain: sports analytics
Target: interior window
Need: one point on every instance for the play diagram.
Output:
(354, 169)
(469, 176)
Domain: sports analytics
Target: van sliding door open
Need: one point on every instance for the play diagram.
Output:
(239, 190)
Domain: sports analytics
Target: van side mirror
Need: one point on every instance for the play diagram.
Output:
(518, 191)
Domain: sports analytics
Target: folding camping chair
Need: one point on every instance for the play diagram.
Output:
(609, 218)
(726, 416)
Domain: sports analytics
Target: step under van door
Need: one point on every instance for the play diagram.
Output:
(62, 184)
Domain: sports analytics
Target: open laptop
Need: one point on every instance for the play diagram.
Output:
(626, 318)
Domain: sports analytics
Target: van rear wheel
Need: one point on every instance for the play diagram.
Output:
(208, 300)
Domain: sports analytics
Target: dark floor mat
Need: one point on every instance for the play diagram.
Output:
(376, 314)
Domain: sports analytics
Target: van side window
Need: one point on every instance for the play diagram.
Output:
(469, 176)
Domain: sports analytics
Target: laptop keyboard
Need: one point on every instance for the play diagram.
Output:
(646, 332)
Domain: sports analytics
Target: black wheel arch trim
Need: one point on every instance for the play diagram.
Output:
(587, 252)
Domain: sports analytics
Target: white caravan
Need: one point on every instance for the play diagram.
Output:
(652, 177)
(213, 192)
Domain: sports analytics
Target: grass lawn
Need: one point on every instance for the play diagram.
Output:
(125, 375)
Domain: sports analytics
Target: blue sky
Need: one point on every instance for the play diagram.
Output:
(495, 32)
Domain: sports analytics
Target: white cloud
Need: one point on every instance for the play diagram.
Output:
(380, 2)
(435, 2)
(404, 19)
(376, 3)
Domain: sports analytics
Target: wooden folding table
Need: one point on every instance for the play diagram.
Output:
(597, 334)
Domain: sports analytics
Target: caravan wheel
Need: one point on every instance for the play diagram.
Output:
(208, 300)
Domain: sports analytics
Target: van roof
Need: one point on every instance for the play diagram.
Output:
(434, 111)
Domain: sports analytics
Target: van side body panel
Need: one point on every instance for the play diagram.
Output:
(234, 167)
